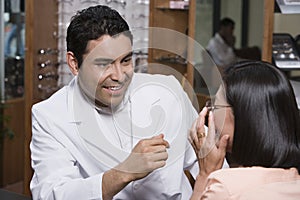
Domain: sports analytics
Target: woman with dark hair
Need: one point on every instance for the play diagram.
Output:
(259, 126)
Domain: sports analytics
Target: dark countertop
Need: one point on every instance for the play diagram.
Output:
(7, 195)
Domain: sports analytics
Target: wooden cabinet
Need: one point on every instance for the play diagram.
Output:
(11, 150)
(41, 45)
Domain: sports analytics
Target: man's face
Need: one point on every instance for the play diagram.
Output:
(107, 70)
(229, 30)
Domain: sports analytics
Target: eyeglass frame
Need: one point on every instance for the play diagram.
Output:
(211, 106)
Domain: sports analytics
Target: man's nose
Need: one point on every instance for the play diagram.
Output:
(116, 71)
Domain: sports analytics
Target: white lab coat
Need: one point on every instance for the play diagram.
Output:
(73, 145)
(221, 53)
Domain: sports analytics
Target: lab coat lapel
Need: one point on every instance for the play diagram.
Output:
(83, 114)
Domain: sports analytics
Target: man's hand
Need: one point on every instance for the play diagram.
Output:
(146, 156)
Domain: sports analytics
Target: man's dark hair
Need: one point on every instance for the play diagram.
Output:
(92, 23)
(266, 117)
(226, 22)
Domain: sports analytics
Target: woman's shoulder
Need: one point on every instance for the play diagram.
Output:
(255, 173)
(241, 180)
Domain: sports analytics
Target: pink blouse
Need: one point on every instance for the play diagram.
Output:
(253, 183)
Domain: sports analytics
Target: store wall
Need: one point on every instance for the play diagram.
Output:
(287, 23)
(232, 9)
(204, 24)
(255, 26)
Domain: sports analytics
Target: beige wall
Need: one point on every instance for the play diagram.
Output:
(255, 26)
(287, 23)
(232, 9)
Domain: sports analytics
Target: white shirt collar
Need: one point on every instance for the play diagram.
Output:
(219, 38)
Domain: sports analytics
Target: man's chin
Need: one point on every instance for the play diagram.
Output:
(111, 104)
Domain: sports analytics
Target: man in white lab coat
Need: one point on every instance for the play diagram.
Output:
(110, 134)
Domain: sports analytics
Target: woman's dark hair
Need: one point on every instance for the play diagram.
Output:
(266, 117)
(92, 23)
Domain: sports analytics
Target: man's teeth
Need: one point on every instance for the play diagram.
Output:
(114, 87)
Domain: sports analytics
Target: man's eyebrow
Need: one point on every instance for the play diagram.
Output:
(109, 60)
(128, 55)
(103, 60)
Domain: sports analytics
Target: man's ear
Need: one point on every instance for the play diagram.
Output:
(72, 63)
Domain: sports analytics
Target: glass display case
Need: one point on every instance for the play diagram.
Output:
(13, 49)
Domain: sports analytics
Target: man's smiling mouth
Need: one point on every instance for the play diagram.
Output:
(113, 88)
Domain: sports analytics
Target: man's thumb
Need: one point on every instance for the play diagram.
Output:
(158, 136)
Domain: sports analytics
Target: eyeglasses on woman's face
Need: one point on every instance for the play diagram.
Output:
(211, 106)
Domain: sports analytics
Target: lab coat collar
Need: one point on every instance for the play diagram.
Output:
(219, 38)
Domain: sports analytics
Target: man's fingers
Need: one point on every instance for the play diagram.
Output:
(158, 136)
(155, 157)
(155, 149)
(158, 164)
(155, 140)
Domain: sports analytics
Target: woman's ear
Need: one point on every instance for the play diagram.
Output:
(72, 63)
